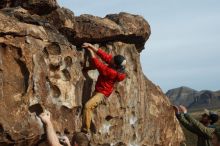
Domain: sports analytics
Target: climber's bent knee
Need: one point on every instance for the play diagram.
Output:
(88, 105)
(94, 101)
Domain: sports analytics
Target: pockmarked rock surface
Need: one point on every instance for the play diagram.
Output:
(41, 63)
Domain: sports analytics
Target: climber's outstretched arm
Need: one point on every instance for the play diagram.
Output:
(102, 54)
(106, 57)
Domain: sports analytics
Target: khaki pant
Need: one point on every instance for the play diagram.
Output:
(89, 107)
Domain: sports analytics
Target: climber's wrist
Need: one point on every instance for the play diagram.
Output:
(92, 54)
(94, 48)
(48, 123)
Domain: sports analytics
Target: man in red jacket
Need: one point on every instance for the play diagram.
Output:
(109, 74)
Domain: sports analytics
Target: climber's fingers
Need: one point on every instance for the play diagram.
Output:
(86, 45)
(183, 109)
(88, 48)
(45, 116)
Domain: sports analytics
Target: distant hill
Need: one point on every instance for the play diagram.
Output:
(194, 99)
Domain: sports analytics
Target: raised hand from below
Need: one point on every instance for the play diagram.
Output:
(45, 117)
(183, 109)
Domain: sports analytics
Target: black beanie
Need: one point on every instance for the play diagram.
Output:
(214, 117)
(118, 59)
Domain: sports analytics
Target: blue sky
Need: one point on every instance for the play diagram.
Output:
(184, 48)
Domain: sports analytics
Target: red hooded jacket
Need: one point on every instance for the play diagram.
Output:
(107, 75)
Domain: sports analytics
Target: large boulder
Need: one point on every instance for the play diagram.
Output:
(116, 27)
(41, 66)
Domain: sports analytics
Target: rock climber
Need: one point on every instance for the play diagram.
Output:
(110, 73)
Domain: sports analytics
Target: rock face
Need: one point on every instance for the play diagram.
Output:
(194, 100)
(41, 65)
(40, 7)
